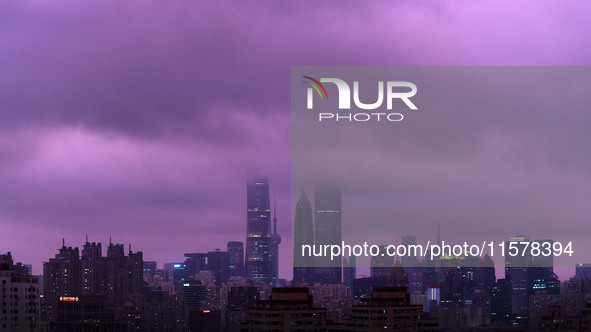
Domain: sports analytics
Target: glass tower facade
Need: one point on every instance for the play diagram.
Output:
(303, 234)
(327, 231)
(259, 265)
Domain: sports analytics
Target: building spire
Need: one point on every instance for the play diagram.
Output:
(86, 238)
(63, 242)
(274, 215)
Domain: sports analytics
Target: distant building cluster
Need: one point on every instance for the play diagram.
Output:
(238, 289)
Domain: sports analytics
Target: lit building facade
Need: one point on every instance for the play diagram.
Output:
(259, 266)
(389, 309)
(288, 309)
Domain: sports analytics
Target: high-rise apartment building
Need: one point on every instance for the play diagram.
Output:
(117, 278)
(92, 269)
(62, 276)
(19, 299)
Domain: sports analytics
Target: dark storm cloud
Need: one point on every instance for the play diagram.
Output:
(160, 69)
(152, 70)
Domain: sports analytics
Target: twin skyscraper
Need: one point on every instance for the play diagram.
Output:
(319, 226)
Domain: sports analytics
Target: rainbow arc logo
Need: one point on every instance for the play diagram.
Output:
(316, 87)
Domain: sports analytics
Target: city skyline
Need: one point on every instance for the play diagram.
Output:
(129, 285)
(129, 130)
(91, 248)
(91, 251)
(324, 227)
(111, 124)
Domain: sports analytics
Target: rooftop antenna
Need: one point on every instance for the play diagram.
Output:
(274, 215)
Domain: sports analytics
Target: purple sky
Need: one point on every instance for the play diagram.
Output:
(139, 120)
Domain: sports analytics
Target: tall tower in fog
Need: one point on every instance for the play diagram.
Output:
(327, 230)
(259, 265)
(303, 233)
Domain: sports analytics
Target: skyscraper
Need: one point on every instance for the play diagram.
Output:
(124, 275)
(500, 301)
(327, 231)
(219, 263)
(546, 262)
(236, 251)
(259, 266)
(349, 271)
(516, 270)
(409, 260)
(303, 233)
(381, 265)
(197, 261)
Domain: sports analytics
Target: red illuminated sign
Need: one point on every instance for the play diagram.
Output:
(68, 299)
